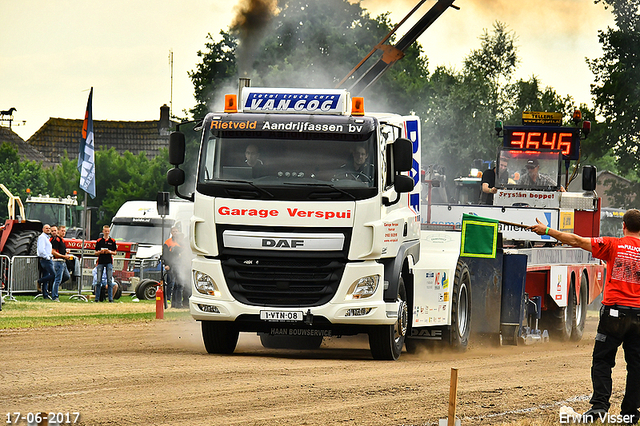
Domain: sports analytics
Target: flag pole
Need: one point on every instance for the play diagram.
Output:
(84, 233)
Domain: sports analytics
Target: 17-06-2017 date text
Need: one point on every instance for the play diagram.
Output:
(37, 417)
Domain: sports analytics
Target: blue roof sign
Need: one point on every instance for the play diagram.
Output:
(294, 101)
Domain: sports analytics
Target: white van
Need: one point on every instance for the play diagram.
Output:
(139, 222)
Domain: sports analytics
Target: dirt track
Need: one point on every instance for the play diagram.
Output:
(158, 373)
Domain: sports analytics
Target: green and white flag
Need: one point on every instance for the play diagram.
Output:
(479, 236)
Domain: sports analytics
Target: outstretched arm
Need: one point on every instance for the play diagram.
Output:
(564, 237)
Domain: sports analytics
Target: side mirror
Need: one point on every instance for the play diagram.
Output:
(589, 178)
(175, 177)
(402, 155)
(177, 147)
(403, 183)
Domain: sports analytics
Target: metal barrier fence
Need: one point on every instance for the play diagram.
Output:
(24, 274)
(5, 263)
(19, 275)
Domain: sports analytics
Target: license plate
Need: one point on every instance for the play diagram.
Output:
(281, 315)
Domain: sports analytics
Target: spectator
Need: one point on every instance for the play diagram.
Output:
(105, 249)
(46, 261)
(99, 285)
(59, 252)
(182, 262)
(71, 263)
(168, 256)
(619, 315)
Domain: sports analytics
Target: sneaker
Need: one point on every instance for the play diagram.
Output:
(46, 297)
(594, 414)
(56, 300)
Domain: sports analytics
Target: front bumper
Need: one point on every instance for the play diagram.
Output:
(369, 311)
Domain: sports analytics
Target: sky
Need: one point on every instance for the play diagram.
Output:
(53, 52)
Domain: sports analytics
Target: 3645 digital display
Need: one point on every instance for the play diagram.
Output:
(565, 139)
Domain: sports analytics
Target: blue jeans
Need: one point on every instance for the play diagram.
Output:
(100, 270)
(61, 275)
(48, 275)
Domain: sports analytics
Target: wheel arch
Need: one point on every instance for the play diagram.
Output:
(394, 267)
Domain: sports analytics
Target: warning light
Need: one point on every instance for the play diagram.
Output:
(577, 116)
(586, 128)
(28, 190)
(357, 106)
(75, 193)
(230, 103)
(498, 126)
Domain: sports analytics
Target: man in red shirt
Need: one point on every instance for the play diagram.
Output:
(619, 315)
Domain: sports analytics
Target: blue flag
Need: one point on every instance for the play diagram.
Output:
(86, 156)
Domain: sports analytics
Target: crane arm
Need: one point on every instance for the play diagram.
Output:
(391, 54)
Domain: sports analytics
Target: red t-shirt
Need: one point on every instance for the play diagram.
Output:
(622, 286)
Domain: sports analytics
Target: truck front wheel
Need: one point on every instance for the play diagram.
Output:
(386, 341)
(220, 337)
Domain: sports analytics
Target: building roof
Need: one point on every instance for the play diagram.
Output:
(58, 135)
(25, 151)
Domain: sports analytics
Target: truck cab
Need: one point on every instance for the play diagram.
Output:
(306, 213)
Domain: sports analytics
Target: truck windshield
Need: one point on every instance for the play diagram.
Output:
(53, 214)
(289, 165)
(143, 234)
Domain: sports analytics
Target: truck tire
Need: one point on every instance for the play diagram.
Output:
(559, 321)
(386, 341)
(219, 337)
(457, 334)
(288, 342)
(118, 289)
(22, 243)
(146, 290)
(580, 309)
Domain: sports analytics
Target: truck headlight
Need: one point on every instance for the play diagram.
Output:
(363, 287)
(205, 284)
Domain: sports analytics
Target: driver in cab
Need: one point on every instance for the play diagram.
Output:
(361, 168)
(533, 177)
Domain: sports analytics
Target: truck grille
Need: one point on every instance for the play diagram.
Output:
(286, 283)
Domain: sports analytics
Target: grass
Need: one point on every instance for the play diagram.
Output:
(28, 312)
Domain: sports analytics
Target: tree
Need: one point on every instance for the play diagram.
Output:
(617, 83)
(461, 107)
(17, 176)
(214, 72)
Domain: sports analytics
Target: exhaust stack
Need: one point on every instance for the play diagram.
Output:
(242, 83)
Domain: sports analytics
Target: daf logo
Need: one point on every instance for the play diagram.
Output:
(268, 242)
(434, 334)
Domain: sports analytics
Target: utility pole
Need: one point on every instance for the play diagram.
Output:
(171, 95)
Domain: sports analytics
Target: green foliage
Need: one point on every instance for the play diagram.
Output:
(17, 176)
(124, 177)
(217, 69)
(119, 178)
(617, 88)
(461, 107)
